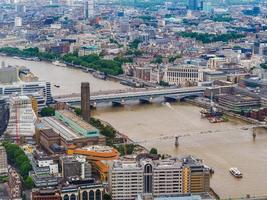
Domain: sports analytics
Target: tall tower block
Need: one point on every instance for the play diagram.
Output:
(85, 101)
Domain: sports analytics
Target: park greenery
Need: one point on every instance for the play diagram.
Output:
(209, 38)
(47, 111)
(95, 62)
(105, 130)
(18, 159)
(78, 111)
(134, 44)
(157, 60)
(3, 179)
(28, 53)
(263, 65)
(153, 151)
(134, 52)
(221, 18)
(110, 133)
(173, 58)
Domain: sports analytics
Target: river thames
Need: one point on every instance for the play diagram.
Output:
(221, 145)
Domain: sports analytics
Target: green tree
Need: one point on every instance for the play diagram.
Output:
(134, 44)
(47, 111)
(153, 151)
(107, 196)
(78, 111)
(24, 169)
(29, 183)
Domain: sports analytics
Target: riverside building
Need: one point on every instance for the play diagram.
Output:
(40, 90)
(150, 178)
(186, 75)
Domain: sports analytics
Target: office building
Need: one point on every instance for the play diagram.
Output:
(239, 102)
(4, 115)
(40, 90)
(75, 167)
(3, 161)
(186, 75)
(128, 179)
(199, 175)
(22, 119)
(85, 101)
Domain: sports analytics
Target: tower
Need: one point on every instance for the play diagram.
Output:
(85, 101)
(90, 8)
(85, 9)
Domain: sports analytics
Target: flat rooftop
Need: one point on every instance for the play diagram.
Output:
(79, 121)
(67, 133)
(98, 148)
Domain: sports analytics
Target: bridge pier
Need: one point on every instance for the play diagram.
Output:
(145, 100)
(118, 102)
(176, 141)
(171, 98)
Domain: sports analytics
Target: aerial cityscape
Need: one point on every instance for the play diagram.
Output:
(133, 99)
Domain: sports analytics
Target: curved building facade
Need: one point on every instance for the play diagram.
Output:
(4, 115)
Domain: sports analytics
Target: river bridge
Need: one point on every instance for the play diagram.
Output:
(145, 96)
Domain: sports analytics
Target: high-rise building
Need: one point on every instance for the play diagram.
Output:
(88, 9)
(193, 4)
(4, 115)
(85, 101)
(85, 9)
(3, 161)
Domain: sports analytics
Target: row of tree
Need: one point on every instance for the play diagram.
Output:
(28, 53)
(93, 61)
(18, 159)
(209, 38)
(113, 67)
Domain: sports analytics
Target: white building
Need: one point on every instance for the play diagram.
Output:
(22, 119)
(53, 167)
(185, 75)
(18, 21)
(3, 161)
(128, 179)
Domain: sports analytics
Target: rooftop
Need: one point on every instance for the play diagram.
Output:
(76, 119)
